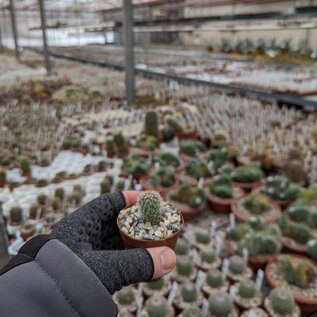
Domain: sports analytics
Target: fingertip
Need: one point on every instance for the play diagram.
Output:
(131, 197)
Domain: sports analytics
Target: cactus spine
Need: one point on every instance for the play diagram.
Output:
(150, 205)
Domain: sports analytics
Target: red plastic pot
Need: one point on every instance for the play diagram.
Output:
(248, 187)
(293, 246)
(190, 133)
(141, 152)
(306, 305)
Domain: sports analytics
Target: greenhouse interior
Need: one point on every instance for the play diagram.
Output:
(186, 127)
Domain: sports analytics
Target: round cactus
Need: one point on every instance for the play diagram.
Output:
(214, 278)
(60, 193)
(182, 247)
(247, 289)
(202, 236)
(208, 255)
(150, 205)
(157, 306)
(189, 292)
(220, 304)
(193, 312)
(312, 249)
(16, 215)
(282, 301)
(157, 285)
(42, 199)
(151, 125)
(105, 187)
(126, 296)
(236, 264)
(299, 213)
(184, 265)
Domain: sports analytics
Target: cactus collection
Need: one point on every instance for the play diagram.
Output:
(191, 196)
(163, 177)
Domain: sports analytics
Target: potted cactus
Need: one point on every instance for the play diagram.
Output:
(202, 239)
(309, 196)
(214, 282)
(191, 149)
(222, 194)
(144, 146)
(192, 312)
(299, 275)
(42, 199)
(167, 159)
(42, 182)
(256, 204)
(281, 302)
(125, 300)
(105, 187)
(237, 269)
(218, 157)
(247, 295)
(159, 287)
(163, 180)
(248, 177)
(298, 225)
(221, 305)
(184, 270)
(150, 222)
(27, 231)
(157, 306)
(187, 296)
(312, 249)
(182, 247)
(136, 165)
(281, 190)
(3, 177)
(36, 212)
(189, 200)
(16, 216)
(257, 312)
(177, 124)
(121, 145)
(60, 193)
(110, 148)
(208, 259)
(193, 171)
(120, 185)
(151, 124)
(25, 166)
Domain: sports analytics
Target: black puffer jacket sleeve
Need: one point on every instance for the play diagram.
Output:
(46, 279)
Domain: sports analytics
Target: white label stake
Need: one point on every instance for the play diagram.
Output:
(259, 279)
(213, 228)
(172, 293)
(200, 280)
(205, 307)
(225, 268)
(245, 253)
(232, 221)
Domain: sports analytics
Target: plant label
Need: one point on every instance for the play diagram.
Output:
(140, 289)
(139, 305)
(252, 314)
(200, 279)
(157, 166)
(205, 306)
(245, 255)
(218, 244)
(259, 279)
(233, 292)
(232, 221)
(213, 228)
(201, 182)
(172, 293)
(225, 268)
(138, 187)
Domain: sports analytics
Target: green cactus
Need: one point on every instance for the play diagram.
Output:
(168, 134)
(208, 255)
(151, 125)
(16, 215)
(120, 185)
(192, 196)
(146, 142)
(75, 198)
(60, 193)
(256, 223)
(247, 288)
(136, 165)
(202, 236)
(157, 306)
(221, 191)
(110, 148)
(25, 165)
(295, 171)
(309, 196)
(184, 265)
(219, 157)
(150, 204)
(297, 231)
(167, 159)
(182, 247)
(191, 147)
(287, 269)
(126, 296)
(299, 213)
(236, 264)
(189, 292)
(156, 285)
(3, 176)
(164, 177)
(56, 203)
(220, 304)
(105, 187)
(312, 249)
(257, 203)
(282, 301)
(192, 312)
(304, 273)
(294, 153)
(313, 218)
(214, 278)
(220, 138)
(42, 199)
(33, 211)
(247, 174)
(121, 144)
(238, 232)
(176, 122)
(197, 169)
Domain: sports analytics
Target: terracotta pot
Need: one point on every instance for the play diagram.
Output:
(186, 158)
(248, 187)
(282, 203)
(27, 234)
(220, 205)
(242, 218)
(294, 247)
(26, 174)
(188, 212)
(132, 243)
(189, 134)
(143, 153)
(162, 190)
(306, 305)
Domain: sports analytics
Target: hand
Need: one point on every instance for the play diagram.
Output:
(91, 232)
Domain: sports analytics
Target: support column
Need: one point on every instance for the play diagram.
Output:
(14, 29)
(45, 44)
(128, 41)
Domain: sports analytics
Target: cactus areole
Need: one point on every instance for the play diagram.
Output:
(150, 222)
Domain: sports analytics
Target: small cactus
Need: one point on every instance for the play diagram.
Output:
(157, 285)
(184, 266)
(193, 312)
(189, 292)
(25, 165)
(294, 171)
(16, 215)
(182, 247)
(42, 199)
(299, 213)
(220, 304)
(236, 264)
(157, 306)
(60, 193)
(151, 126)
(247, 289)
(203, 236)
(126, 296)
(282, 301)
(208, 256)
(150, 203)
(3, 176)
(214, 278)
(105, 187)
(120, 185)
(247, 174)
